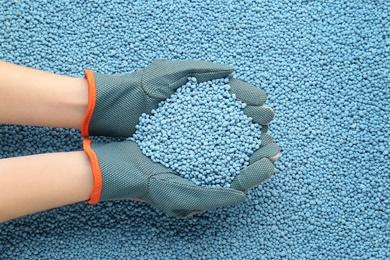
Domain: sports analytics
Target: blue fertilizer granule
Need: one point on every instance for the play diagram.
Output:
(200, 132)
(326, 69)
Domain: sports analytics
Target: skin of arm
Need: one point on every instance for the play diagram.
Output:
(39, 98)
(39, 182)
(35, 183)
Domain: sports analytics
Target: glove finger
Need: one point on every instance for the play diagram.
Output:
(268, 151)
(264, 129)
(265, 139)
(179, 197)
(259, 114)
(247, 93)
(253, 175)
(163, 77)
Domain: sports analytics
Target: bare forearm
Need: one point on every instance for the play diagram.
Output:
(38, 98)
(39, 182)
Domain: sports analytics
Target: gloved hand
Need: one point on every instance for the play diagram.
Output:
(115, 102)
(255, 99)
(121, 171)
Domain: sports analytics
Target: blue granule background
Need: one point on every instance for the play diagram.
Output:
(326, 68)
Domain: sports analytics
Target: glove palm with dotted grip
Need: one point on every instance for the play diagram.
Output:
(115, 102)
(121, 171)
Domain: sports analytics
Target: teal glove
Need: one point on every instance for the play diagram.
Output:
(255, 99)
(121, 171)
(115, 102)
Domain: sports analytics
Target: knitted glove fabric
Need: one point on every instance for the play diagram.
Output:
(115, 102)
(121, 171)
(255, 99)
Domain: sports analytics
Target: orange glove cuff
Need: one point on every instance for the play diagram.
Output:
(91, 102)
(97, 175)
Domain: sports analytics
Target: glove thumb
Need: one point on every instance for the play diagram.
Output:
(180, 197)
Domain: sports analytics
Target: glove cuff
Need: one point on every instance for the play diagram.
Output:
(115, 103)
(96, 171)
(90, 77)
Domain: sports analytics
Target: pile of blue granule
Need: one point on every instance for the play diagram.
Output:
(200, 132)
(326, 69)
